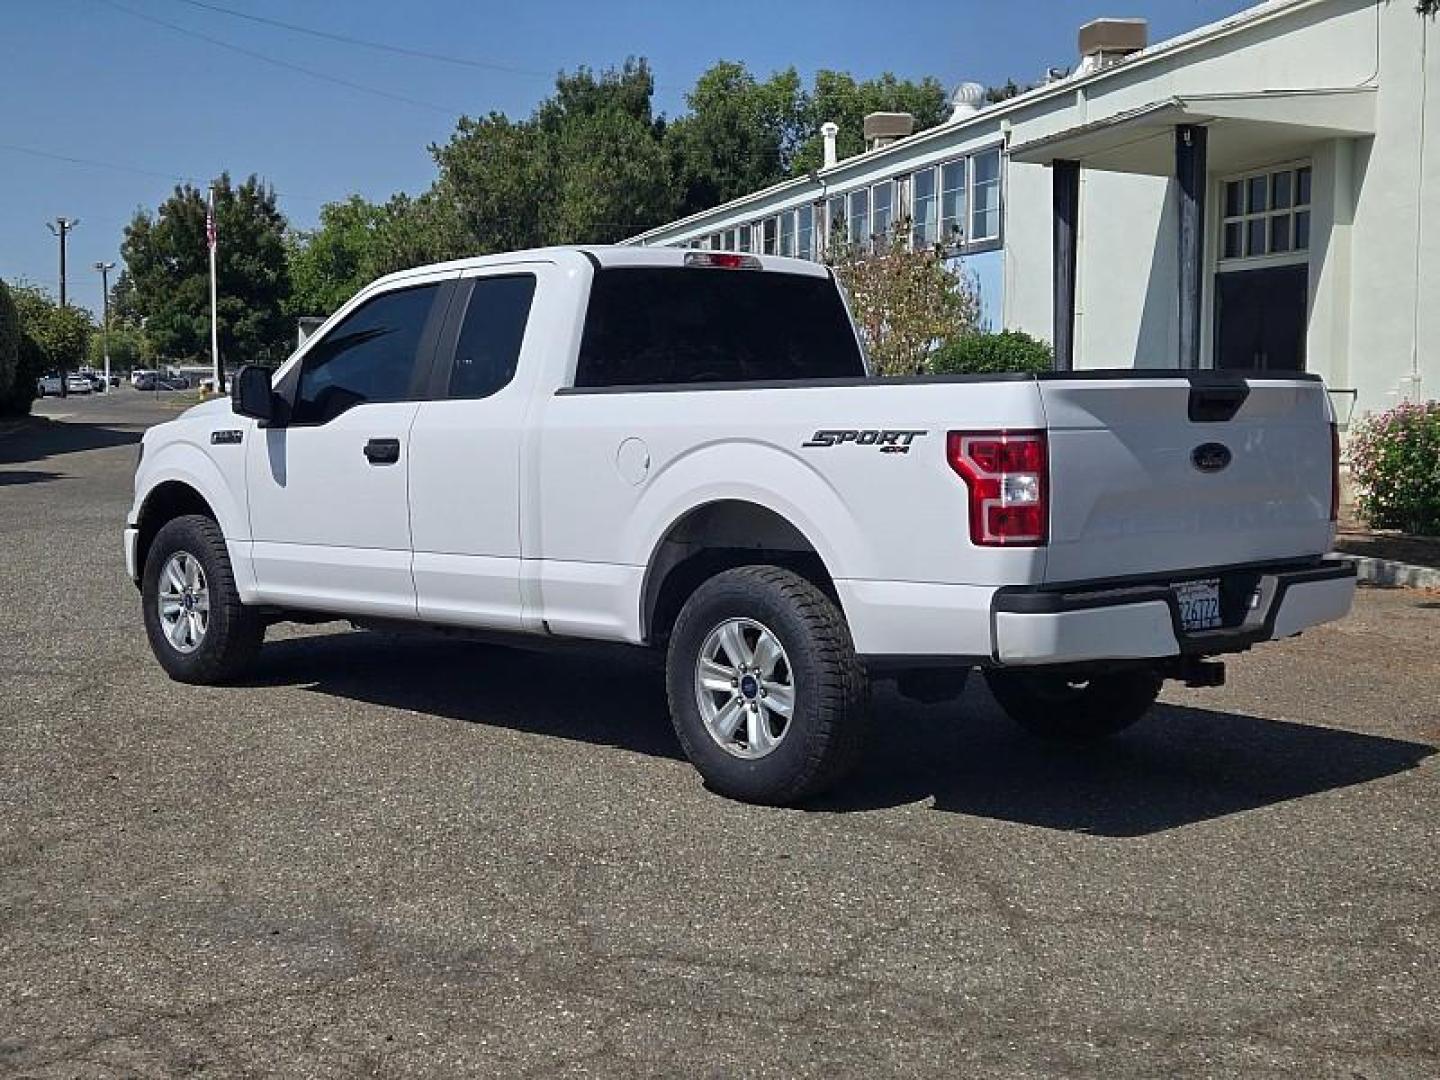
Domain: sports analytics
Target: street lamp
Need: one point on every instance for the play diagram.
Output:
(105, 268)
(61, 227)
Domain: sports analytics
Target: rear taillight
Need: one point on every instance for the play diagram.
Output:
(1007, 473)
(1334, 471)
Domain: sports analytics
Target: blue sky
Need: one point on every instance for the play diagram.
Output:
(86, 79)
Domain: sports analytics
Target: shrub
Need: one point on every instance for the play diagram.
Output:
(29, 367)
(9, 340)
(988, 354)
(1395, 463)
(904, 301)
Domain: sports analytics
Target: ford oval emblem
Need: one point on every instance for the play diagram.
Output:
(1210, 456)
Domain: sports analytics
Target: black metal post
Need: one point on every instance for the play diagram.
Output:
(1190, 177)
(1066, 179)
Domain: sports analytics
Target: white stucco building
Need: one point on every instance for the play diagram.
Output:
(1261, 192)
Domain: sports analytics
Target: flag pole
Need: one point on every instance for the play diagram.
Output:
(214, 312)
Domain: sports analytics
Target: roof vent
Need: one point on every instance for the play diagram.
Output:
(1104, 42)
(831, 131)
(884, 128)
(966, 100)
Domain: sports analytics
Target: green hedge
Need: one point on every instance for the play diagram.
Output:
(28, 369)
(988, 354)
(1395, 463)
(9, 340)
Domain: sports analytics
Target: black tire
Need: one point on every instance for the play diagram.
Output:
(233, 634)
(824, 735)
(1065, 709)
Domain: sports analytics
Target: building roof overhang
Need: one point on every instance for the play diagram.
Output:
(1244, 129)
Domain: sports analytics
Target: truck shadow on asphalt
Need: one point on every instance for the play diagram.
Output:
(38, 439)
(1177, 767)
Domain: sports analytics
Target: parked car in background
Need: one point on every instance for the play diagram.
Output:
(48, 386)
(136, 375)
(75, 383)
(684, 450)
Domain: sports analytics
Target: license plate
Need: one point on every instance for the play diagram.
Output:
(1199, 604)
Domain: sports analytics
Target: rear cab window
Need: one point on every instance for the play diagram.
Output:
(667, 326)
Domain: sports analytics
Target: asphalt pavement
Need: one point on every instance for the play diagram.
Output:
(395, 856)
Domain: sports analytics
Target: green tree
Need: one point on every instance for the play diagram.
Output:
(739, 136)
(63, 336)
(996, 94)
(167, 262)
(331, 262)
(128, 349)
(9, 341)
(838, 97)
(588, 166)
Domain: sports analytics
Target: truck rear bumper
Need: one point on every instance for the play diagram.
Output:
(1141, 620)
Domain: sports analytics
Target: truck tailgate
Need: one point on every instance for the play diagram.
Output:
(1176, 473)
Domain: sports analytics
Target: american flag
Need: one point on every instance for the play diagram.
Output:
(210, 221)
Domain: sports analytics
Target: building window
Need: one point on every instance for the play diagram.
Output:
(952, 203)
(860, 218)
(985, 199)
(922, 209)
(1266, 213)
(787, 234)
(882, 212)
(835, 228)
(805, 232)
(744, 244)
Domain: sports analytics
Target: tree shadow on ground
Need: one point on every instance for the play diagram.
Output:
(1177, 767)
(39, 438)
(16, 477)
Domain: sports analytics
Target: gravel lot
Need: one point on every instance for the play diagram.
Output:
(396, 856)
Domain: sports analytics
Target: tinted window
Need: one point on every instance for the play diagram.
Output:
(690, 325)
(490, 337)
(370, 356)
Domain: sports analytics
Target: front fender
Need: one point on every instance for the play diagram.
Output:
(183, 461)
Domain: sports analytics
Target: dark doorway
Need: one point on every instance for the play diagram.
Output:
(1260, 318)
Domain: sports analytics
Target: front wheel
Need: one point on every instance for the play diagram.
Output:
(766, 694)
(1074, 709)
(198, 629)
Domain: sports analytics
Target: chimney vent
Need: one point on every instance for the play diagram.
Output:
(884, 128)
(830, 130)
(1104, 42)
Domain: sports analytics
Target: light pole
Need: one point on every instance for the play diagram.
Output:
(61, 227)
(105, 268)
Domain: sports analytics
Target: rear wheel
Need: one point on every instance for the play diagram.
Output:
(766, 694)
(198, 629)
(1074, 709)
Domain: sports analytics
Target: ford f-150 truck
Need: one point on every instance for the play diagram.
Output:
(685, 450)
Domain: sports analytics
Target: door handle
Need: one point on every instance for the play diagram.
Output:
(382, 451)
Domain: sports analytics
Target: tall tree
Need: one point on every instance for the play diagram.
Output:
(586, 167)
(166, 258)
(9, 341)
(739, 136)
(840, 98)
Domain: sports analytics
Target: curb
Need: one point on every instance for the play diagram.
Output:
(1390, 573)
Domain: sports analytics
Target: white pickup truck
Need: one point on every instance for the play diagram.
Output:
(685, 450)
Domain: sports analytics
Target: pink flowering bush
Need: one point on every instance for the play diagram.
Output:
(1395, 462)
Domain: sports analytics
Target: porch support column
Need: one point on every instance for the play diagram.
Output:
(1190, 173)
(1066, 179)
